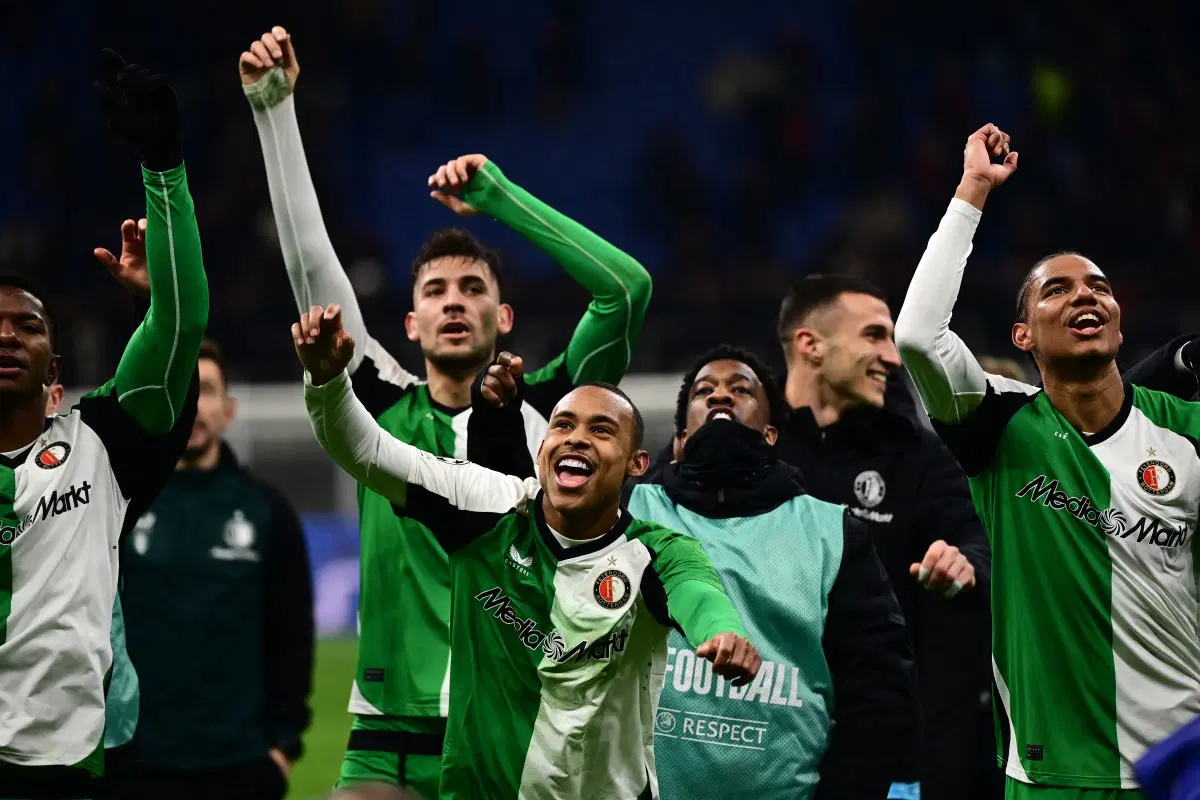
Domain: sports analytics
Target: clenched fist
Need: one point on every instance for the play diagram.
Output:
(980, 175)
(452, 178)
(944, 570)
(732, 657)
(322, 344)
(500, 380)
(271, 50)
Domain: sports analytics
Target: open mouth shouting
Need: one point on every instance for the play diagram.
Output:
(721, 413)
(1086, 323)
(572, 471)
(456, 330)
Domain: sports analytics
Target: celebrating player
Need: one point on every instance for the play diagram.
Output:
(561, 599)
(400, 691)
(1087, 489)
(71, 484)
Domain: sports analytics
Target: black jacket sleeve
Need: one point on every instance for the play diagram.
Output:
(1159, 371)
(945, 510)
(288, 635)
(870, 659)
(496, 436)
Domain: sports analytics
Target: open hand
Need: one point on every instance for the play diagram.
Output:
(130, 269)
(944, 570)
(732, 657)
(452, 178)
(500, 380)
(322, 344)
(272, 48)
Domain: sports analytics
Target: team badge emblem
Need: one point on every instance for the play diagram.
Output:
(1156, 477)
(53, 455)
(869, 488)
(612, 588)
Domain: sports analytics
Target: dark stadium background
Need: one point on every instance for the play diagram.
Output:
(729, 147)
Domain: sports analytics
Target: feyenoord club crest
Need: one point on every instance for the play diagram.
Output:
(53, 455)
(869, 488)
(612, 589)
(1156, 477)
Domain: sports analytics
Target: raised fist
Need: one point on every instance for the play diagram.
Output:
(322, 344)
(141, 108)
(982, 146)
(271, 51)
(501, 381)
(451, 179)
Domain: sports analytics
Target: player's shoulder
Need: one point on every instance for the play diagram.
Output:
(653, 535)
(1167, 410)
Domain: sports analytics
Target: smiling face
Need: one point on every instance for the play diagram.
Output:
(1070, 314)
(457, 314)
(27, 361)
(589, 450)
(852, 344)
(727, 389)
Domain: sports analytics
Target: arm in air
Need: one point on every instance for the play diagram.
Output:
(152, 377)
(947, 376)
(602, 344)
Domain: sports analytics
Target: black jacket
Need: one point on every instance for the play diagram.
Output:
(865, 642)
(219, 621)
(905, 484)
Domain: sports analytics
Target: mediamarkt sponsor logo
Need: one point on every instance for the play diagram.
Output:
(1109, 521)
(552, 643)
(57, 502)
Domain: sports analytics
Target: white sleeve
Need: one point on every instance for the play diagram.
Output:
(373, 457)
(948, 378)
(316, 275)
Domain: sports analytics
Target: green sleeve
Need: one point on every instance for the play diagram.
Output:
(696, 600)
(152, 378)
(601, 347)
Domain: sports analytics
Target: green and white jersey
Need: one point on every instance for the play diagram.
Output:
(66, 499)
(404, 599)
(559, 654)
(1094, 592)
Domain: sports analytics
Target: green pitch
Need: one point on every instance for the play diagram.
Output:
(314, 776)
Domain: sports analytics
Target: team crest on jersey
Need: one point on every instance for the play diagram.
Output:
(53, 456)
(239, 535)
(141, 532)
(1156, 477)
(869, 488)
(612, 588)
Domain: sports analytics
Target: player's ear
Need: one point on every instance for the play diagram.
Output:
(410, 327)
(809, 344)
(770, 435)
(53, 371)
(639, 462)
(504, 319)
(230, 409)
(1022, 336)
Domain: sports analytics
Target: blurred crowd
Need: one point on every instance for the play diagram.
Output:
(729, 155)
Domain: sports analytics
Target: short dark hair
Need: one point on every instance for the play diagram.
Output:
(776, 400)
(1023, 290)
(639, 424)
(814, 293)
(15, 281)
(455, 242)
(212, 351)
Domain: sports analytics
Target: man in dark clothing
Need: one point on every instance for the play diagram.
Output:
(835, 700)
(219, 620)
(854, 437)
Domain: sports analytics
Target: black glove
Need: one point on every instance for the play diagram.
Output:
(141, 108)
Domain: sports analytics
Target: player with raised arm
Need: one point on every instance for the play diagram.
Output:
(1086, 486)
(72, 484)
(562, 600)
(400, 692)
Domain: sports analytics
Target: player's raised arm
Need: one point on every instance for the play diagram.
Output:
(269, 69)
(356, 442)
(602, 344)
(947, 376)
(153, 376)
